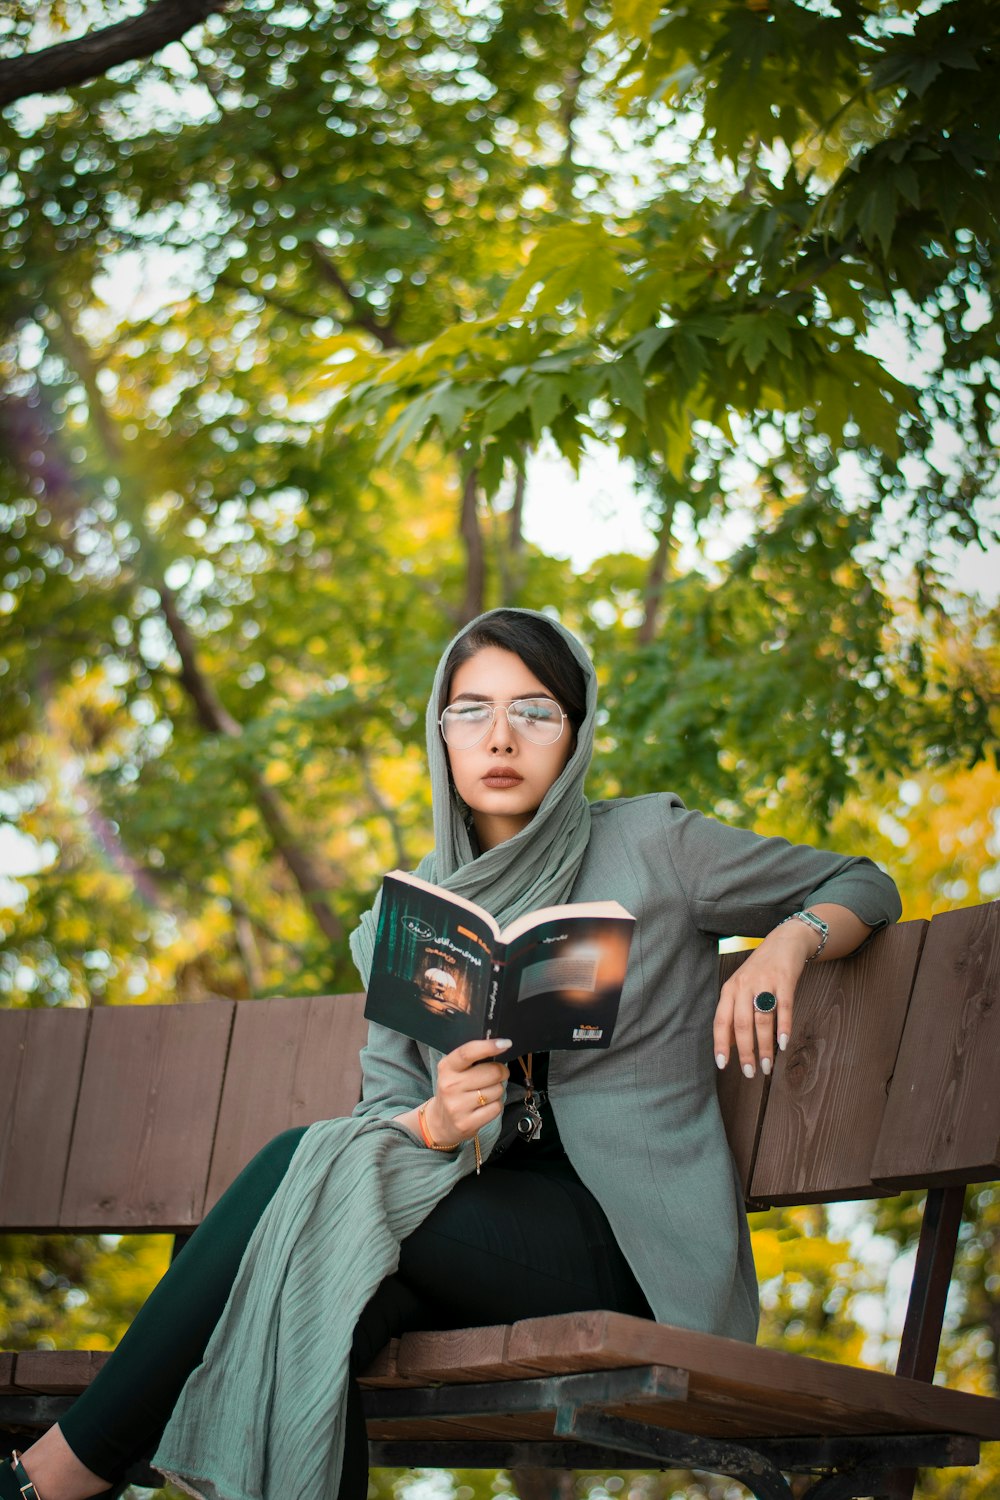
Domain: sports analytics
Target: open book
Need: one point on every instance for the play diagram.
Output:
(444, 973)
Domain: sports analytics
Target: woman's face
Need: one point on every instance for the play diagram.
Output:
(504, 777)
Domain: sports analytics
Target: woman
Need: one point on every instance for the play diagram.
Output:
(626, 1198)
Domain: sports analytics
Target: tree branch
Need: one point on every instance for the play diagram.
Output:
(67, 64)
(515, 532)
(657, 576)
(301, 314)
(509, 545)
(361, 314)
(385, 807)
(472, 536)
(569, 109)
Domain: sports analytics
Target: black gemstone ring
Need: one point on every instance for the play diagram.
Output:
(765, 1002)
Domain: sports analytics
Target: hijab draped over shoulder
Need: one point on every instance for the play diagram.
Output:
(263, 1416)
(539, 865)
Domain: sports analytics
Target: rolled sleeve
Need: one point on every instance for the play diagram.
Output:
(865, 890)
(741, 884)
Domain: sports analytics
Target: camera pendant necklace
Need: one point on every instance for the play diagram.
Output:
(529, 1124)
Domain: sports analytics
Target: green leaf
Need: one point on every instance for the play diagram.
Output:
(579, 260)
(751, 335)
(408, 426)
(499, 410)
(877, 215)
(627, 385)
(690, 353)
(545, 395)
(645, 345)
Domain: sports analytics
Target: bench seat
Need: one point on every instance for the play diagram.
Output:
(721, 1388)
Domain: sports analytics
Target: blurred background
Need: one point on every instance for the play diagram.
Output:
(328, 325)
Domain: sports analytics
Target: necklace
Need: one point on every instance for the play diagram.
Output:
(529, 1124)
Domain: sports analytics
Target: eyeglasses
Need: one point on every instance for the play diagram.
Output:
(539, 720)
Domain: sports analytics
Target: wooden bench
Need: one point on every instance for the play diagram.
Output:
(137, 1118)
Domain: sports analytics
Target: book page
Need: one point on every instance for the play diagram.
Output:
(563, 979)
(439, 891)
(572, 911)
(576, 970)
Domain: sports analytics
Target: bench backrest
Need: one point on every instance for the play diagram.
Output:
(137, 1118)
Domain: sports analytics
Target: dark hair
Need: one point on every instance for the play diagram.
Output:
(540, 647)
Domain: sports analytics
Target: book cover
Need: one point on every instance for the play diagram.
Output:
(444, 973)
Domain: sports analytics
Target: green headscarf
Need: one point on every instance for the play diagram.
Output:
(538, 866)
(263, 1416)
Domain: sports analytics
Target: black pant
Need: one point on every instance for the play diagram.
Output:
(518, 1242)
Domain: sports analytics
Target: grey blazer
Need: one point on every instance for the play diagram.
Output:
(640, 1122)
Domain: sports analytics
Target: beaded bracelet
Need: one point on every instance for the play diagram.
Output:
(428, 1138)
(433, 1145)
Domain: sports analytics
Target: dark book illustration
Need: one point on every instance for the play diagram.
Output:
(444, 973)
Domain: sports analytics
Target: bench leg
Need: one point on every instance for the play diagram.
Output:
(534, 1483)
(677, 1450)
(861, 1467)
(850, 1486)
(585, 1436)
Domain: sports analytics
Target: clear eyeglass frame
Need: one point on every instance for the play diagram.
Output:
(459, 719)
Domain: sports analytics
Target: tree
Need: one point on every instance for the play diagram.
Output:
(158, 466)
(724, 333)
(65, 64)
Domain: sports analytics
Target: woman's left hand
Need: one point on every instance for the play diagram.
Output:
(775, 968)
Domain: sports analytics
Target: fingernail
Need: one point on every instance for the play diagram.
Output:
(765, 1066)
(748, 1070)
(721, 1059)
(783, 1041)
(502, 1043)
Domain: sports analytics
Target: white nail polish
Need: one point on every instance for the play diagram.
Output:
(502, 1043)
(783, 1041)
(748, 1070)
(765, 1066)
(720, 1059)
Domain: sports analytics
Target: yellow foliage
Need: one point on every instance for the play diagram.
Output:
(277, 771)
(951, 825)
(48, 1307)
(937, 833)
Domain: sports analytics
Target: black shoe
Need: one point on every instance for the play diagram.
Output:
(14, 1482)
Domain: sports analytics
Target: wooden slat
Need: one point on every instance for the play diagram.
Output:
(702, 1415)
(942, 1122)
(292, 1061)
(460, 1356)
(833, 1397)
(59, 1372)
(145, 1123)
(463, 1429)
(7, 1386)
(828, 1091)
(42, 1052)
(384, 1369)
(741, 1100)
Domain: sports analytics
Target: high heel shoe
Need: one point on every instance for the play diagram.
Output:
(15, 1484)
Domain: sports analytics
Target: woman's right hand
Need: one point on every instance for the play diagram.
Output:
(466, 1077)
